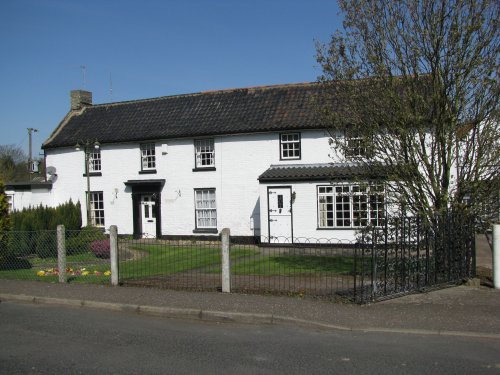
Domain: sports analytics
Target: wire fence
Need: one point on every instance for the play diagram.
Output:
(404, 256)
(313, 268)
(255, 268)
(32, 255)
(194, 265)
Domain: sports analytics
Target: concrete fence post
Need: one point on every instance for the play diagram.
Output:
(113, 253)
(61, 253)
(496, 256)
(226, 267)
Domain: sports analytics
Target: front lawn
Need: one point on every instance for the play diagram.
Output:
(162, 259)
(295, 265)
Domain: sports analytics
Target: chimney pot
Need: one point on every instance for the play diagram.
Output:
(80, 99)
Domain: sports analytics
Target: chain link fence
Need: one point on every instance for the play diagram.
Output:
(33, 255)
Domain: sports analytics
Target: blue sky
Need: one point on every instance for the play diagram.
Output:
(149, 49)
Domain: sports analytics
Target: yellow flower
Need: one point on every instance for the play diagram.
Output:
(107, 273)
(40, 273)
(85, 273)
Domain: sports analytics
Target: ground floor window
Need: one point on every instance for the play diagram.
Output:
(205, 209)
(10, 202)
(351, 205)
(96, 208)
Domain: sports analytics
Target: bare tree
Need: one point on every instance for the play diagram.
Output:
(418, 84)
(13, 164)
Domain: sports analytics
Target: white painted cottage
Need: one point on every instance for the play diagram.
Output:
(254, 160)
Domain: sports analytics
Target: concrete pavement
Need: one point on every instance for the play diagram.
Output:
(457, 311)
(462, 311)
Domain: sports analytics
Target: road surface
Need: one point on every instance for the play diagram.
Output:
(42, 339)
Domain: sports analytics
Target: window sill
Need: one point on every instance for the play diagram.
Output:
(206, 169)
(286, 159)
(207, 230)
(341, 228)
(93, 174)
(148, 171)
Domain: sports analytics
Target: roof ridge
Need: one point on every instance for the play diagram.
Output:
(261, 87)
(228, 90)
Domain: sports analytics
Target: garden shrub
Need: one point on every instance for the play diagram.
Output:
(47, 218)
(100, 248)
(5, 226)
(79, 242)
(46, 244)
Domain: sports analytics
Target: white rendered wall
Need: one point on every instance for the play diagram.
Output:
(30, 198)
(239, 160)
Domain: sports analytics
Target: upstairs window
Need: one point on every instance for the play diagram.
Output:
(148, 157)
(355, 147)
(290, 146)
(204, 153)
(95, 161)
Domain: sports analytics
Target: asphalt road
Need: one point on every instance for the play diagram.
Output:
(43, 339)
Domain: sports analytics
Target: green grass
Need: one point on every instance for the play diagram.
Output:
(161, 259)
(295, 265)
(83, 257)
(44, 264)
(165, 260)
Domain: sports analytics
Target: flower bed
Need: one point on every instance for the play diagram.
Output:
(73, 272)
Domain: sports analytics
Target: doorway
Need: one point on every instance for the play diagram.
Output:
(148, 216)
(280, 214)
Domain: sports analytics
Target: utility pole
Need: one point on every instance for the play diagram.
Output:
(30, 158)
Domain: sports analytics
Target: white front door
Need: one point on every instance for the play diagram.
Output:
(148, 213)
(280, 214)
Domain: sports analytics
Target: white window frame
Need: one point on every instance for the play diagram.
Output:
(148, 156)
(95, 161)
(204, 152)
(350, 205)
(205, 208)
(290, 146)
(10, 202)
(355, 147)
(96, 202)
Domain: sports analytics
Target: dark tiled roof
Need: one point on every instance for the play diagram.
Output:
(327, 171)
(271, 108)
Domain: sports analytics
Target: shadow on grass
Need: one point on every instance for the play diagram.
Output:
(13, 263)
(316, 264)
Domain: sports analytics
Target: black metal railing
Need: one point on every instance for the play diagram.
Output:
(410, 255)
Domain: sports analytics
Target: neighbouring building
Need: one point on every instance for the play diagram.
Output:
(255, 160)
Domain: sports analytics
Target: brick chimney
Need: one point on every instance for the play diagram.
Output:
(80, 99)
